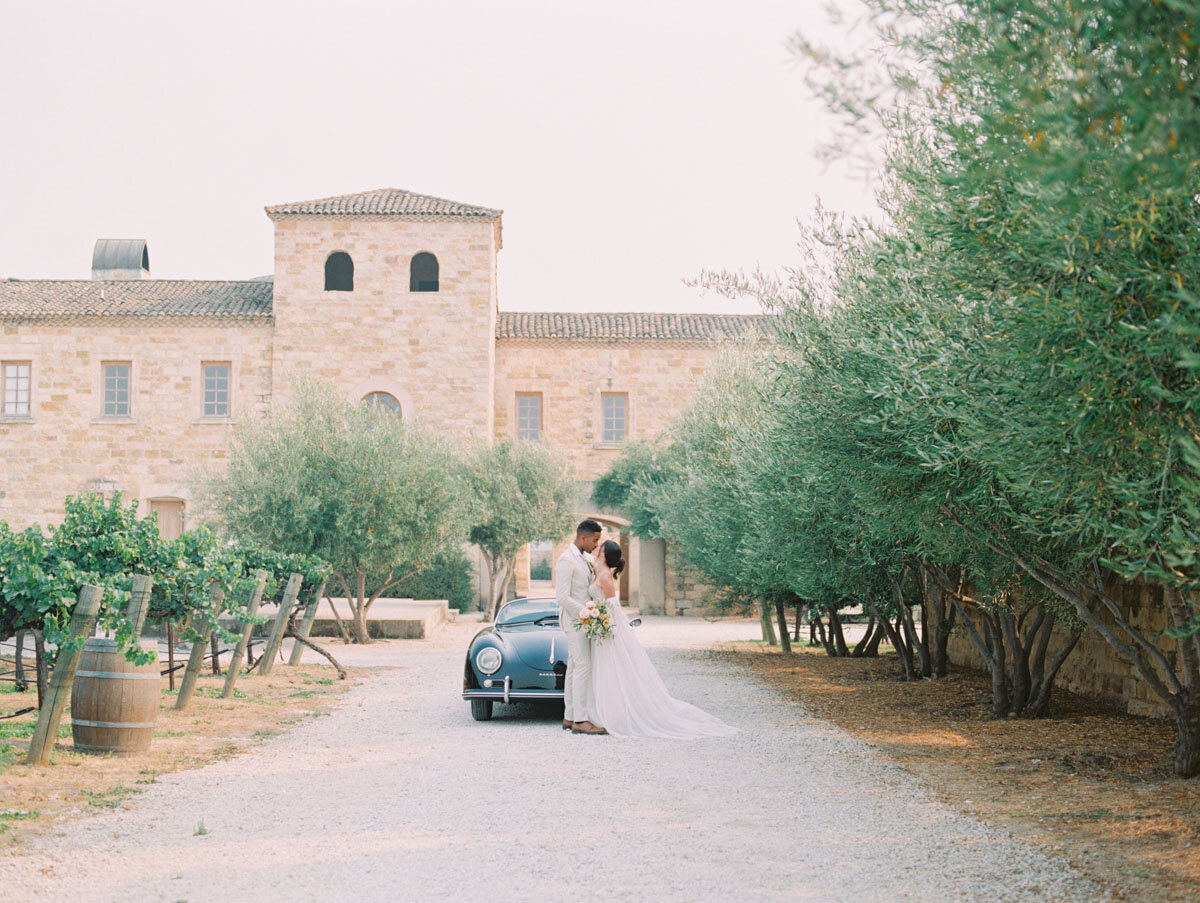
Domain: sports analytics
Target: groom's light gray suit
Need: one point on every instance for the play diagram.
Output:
(572, 577)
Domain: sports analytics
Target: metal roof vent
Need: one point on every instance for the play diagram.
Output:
(120, 258)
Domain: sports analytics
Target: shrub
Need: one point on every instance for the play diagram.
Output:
(449, 578)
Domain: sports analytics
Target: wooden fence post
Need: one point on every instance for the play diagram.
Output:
(83, 622)
(281, 619)
(19, 674)
(170, 654)
(39, 664)
(302, 630)
(235, 662)
(139, 603)
(199, 646)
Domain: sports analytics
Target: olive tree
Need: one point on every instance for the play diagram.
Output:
(521, 492)
(376, 497)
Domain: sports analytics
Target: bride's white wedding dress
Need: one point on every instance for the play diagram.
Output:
(630, 699)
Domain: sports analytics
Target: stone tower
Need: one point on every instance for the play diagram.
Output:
(390, 295)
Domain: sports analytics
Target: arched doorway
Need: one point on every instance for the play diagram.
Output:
(615, 528)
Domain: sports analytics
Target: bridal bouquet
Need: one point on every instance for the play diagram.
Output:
(595, 620)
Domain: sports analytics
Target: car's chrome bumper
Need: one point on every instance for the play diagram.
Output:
(498, 694)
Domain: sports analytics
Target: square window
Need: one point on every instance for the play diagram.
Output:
(16, 388)
(615, 411)
(529, 415)
(116, 388)
(216, 390)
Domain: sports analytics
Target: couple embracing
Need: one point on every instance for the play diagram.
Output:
(611, 685)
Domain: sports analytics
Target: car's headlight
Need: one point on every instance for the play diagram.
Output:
(488, 660)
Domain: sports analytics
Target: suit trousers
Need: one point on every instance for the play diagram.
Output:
(577, 688)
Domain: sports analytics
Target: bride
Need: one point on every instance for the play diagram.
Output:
(630, 699)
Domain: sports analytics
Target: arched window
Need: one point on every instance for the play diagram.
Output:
(423, 274)
(339, 272)
(382, 402)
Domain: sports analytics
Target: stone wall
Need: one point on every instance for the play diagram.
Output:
(1093, 668)
(67, 447)
(433, 351)
(686, 593)
(659, 377)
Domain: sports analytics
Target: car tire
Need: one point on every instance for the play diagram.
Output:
(481, 709)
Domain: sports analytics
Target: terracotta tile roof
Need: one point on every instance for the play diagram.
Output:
(41, 299)
(383, 202)
(630, 326)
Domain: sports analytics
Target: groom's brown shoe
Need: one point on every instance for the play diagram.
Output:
(586, 727)
(567, 724)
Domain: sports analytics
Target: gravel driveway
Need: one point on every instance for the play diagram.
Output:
(400, 796)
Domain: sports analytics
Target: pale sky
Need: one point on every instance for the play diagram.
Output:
(630, 144)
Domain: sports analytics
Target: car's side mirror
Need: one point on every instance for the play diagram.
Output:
(636, 622)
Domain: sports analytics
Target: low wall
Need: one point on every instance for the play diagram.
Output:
(1093, 668)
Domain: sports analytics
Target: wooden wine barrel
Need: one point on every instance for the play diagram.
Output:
(114, 703)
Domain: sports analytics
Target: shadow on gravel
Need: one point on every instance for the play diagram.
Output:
(544, 713)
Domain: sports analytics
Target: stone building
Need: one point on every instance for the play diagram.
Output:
(131, 383)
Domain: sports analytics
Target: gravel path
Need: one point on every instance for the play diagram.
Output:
(399, 795)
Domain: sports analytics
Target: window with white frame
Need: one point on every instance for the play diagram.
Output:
(615, 413)
(116, 388)
(16, 388)
(216, 390)
(529, 415)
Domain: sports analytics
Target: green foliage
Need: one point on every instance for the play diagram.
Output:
(632, 482)
(522, 492)
(358, 488)
(106, 544)
(999, 381)
(448, 577)
(37, 590)
(541, 571)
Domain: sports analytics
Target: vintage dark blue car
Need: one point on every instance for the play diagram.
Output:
(521, 657)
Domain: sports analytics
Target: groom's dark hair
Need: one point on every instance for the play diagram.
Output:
(588, 526)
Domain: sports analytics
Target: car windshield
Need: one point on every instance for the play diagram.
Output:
(527, 610)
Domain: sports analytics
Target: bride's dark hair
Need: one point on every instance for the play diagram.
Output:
(612, 557)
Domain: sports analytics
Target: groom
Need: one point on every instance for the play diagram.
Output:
(572, 577)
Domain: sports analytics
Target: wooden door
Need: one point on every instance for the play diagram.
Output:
(170, 516)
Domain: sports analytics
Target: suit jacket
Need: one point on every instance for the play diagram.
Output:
(572, 577)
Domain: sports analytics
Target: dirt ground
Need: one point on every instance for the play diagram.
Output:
(1090, 784)
(35, 799)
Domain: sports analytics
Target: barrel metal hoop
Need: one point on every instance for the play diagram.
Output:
(79, 722)
(119, 675)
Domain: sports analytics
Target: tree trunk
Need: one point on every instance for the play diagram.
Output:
(501, 571)
(358, 608)
(861, 648)
(359, 626)
(1187, 735)
(917, 643)
(784, 641)
(1043, 684)
(938, 618)
(1177, 684)
(902, 651)
(835, 632)
(768, 628)
(872, 650)
(799, 618)
(816, 623)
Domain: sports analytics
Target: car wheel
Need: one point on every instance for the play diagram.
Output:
(481, 709)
